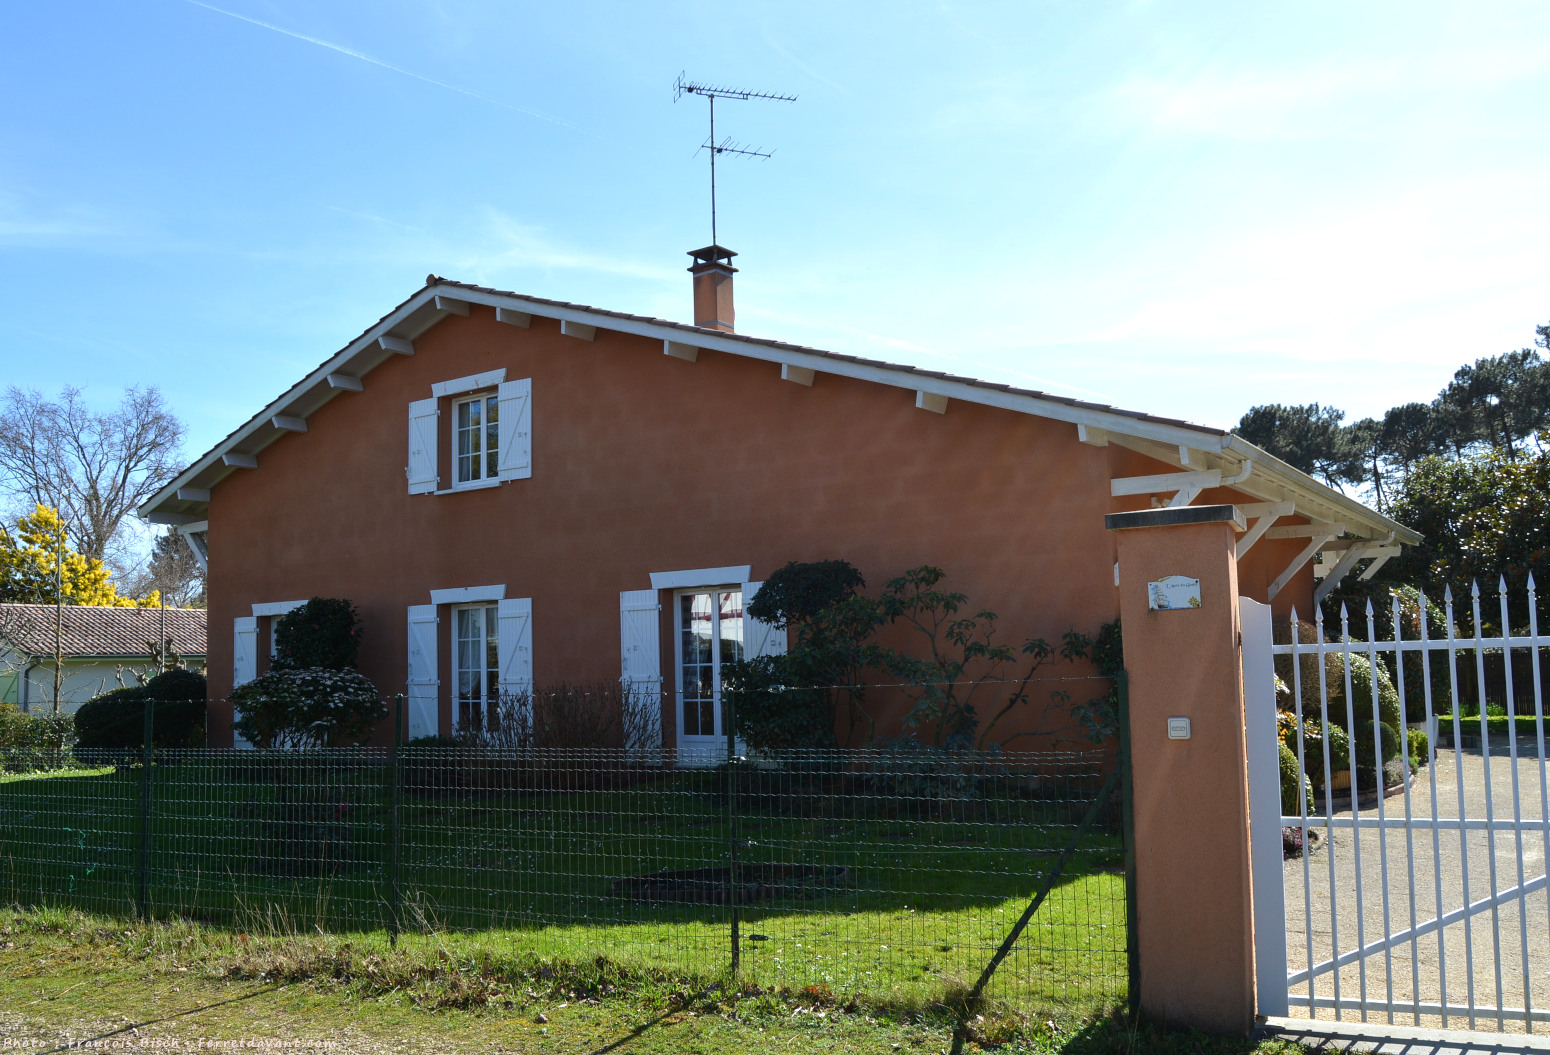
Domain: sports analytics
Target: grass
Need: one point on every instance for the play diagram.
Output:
(66, 975)
(912, 896)
(1496, 727)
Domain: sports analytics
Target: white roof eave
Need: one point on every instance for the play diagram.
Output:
(1271, 478)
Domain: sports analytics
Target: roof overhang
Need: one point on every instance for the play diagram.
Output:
(1242, 465)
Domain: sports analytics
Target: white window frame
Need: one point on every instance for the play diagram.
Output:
(700, 749)
(489, 403)
(490, 680)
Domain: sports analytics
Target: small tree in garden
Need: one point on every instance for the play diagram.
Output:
(325, 632)
(790, 700)
(961, 665)
(311, 696)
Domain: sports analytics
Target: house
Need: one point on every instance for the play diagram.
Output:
(516, 490)
(100, 648)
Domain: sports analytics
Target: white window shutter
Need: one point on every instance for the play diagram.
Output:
(514, 443)
(423, 695)
(759, 639)
(641, 651)
(422, 446)
(514, 633)
(244, 662)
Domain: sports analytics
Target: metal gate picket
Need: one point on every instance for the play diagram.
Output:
(1408, 920)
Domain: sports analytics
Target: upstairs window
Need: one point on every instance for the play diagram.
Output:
(476, 439)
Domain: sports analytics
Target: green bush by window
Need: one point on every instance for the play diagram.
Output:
(323, 633)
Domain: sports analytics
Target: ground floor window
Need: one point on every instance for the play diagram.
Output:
(476, 673)
(709, 635)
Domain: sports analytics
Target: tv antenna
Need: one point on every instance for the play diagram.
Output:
(713, 92)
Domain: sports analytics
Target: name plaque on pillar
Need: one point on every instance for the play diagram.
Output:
(1173, 593)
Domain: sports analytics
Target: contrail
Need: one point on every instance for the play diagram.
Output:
(388, 66)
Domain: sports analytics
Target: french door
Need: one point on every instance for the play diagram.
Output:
(709, 634)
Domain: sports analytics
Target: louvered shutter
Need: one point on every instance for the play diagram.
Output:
(514, 636)
(759, 639)
(641, 656)
(423, 686)
(422, 447)
(514, 425)
(244, 664)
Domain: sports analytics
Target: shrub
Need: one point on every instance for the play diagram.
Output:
(604, 714)
(788, 701)
(1334, 682)
(1289, 783)
(1389, 748)
(1419, 748)
(115, 720)
(1313, 751)
(323, 633)
(31, 742)
(307, 708)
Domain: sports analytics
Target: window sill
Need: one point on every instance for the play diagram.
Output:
(480, 485)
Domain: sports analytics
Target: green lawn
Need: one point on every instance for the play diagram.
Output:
(1496, 726)
(71, 977)
(901, 902)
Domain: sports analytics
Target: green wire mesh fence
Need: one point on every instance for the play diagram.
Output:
(879, 873)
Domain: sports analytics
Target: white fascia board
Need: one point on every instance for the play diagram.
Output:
(193, 494)
(357, 357)
(710, 340)
(238, 460)
(681, 580)
(1297, 485)
(274, 608)
(346, 382)
(469, 594)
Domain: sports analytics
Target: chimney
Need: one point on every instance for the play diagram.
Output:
(713, 273)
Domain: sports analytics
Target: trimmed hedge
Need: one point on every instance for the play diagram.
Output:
(115, 720)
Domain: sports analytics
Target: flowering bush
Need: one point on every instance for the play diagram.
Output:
(307, 708)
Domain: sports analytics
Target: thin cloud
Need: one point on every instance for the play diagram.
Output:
(538, 114)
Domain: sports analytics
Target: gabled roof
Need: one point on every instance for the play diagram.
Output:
(88, 630)
(1191, 447)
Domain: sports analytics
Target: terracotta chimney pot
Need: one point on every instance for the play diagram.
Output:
(713, 273)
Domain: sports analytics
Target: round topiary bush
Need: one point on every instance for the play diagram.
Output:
(323, 633)
(112, 721)
(310, 708)
(115, 720)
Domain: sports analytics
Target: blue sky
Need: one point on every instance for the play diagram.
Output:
(1185, 208)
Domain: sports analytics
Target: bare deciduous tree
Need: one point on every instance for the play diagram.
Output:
(172, 569)
(94, 467)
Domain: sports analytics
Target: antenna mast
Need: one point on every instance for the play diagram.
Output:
(713, 92)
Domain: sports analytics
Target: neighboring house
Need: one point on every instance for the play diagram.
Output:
(516, 490)
(100, 647)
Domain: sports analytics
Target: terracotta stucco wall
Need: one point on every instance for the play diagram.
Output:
(643, 462)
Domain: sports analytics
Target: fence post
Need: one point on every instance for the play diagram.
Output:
(143, 873)
(395, 793)
(729, 715)
(1178, 599)
(1128, 804)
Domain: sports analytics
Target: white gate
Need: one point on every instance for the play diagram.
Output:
(1420, 898)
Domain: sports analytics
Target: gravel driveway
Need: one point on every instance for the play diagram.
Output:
(1414, 970)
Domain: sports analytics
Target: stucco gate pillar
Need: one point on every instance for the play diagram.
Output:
(1189, 777)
